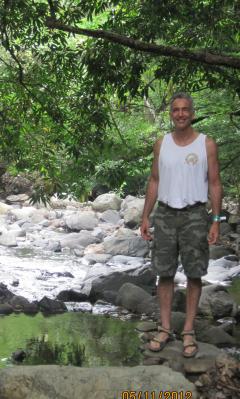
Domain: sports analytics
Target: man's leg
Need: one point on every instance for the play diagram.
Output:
(165, 295)
(194, 288)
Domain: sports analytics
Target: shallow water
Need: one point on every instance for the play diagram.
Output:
(69, 339)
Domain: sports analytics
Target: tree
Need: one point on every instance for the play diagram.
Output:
(76, 65)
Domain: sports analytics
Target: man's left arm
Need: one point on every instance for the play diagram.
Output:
(215, 188)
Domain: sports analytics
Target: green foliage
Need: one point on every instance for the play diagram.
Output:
(82, 111)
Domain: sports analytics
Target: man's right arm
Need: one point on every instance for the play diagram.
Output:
(151, 194)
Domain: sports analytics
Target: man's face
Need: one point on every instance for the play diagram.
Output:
(181, 113)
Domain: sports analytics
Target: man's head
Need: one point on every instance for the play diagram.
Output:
(181, 110)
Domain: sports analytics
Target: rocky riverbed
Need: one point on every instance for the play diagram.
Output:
(83, 257)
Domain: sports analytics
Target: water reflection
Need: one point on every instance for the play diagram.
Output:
(71, 338)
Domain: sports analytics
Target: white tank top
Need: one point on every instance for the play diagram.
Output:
(183, 172)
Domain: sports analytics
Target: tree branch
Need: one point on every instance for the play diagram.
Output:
(201, 56)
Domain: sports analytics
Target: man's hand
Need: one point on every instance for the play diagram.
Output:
(145, 230)
(213, 233)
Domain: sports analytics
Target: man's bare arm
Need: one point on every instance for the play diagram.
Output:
(215, 187)
(151, 194)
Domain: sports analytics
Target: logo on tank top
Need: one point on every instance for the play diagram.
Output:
(191, 159)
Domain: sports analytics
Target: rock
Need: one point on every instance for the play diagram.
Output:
(19, 355)
(81, 221)
(5, 309)
(216, 336)
(127, 260)
(78, 240)
(136, 299)
(21, 304)
(234, 220)
(5, 294)
(135, 246)
(218, 251)
(51, 306)
(110, 216)
(4, 208)
(106, 201)
(9, 239)
(39, 215)
(215, 302)
(225, 228)
(124, 232)
(71, 296)
(16, 184)
(17, 198)
(173, 351)
(146, 326)
(97, 258)
(133, 213)
(23, 213)
(108, 279)
(51, 382)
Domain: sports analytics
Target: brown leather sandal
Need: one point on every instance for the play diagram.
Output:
(162, 343)
(192, 343)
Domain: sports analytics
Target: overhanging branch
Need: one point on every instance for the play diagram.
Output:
(201, 56)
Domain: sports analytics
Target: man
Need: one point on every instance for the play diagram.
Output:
(185, 168)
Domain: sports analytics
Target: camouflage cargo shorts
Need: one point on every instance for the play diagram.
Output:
(181, 232)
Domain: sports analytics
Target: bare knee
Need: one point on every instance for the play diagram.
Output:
(166, 281)
(194, 282)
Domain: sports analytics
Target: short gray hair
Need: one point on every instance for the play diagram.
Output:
(184, 95)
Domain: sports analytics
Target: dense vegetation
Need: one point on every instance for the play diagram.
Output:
(85, 86)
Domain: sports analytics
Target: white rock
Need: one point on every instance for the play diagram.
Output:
(4, 208)
(81, 221)
(107, 201)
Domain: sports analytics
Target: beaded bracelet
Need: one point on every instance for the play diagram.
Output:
(216, 218)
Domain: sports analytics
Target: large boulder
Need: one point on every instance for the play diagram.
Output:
(78, 240)
(216, 302)
(110, 216)
(81, 221)
(5, 294)
(101, 279)
(218, 251)
(51, 382)
(106, 201)
(4, 208)
(51, 306)
(134, 246)
(136, 299)
(133, 212)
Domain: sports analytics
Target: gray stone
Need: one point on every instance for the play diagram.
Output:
(127, 260)
(135, 246)
(234, 220)
(215, 302)
(136, 299)
(97, 258)
(78, 240)
(8, 239)
(106, 201)
(5, 308)
(110, 216)
(21, 304)
(23, 213)
(51, 382)
(111, 280)
(5, 294)
(51, 306)
(133, 212)
(17, 198)
(225, 228)
(215, 336)
(4, 208)
(218, 251)
(81, 221)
